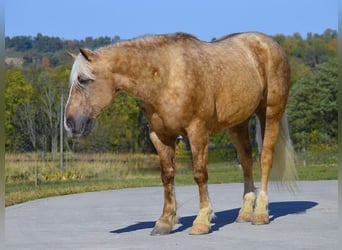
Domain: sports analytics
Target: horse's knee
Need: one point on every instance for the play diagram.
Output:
(201, 176)
(168, 175)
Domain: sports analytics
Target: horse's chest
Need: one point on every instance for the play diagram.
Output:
(166, 123)
(167, 117)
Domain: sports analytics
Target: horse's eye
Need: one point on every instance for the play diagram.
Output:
(83, 81)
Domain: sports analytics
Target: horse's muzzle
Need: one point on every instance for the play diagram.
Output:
(77, 126)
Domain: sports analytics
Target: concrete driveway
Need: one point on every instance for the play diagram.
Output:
(123, 219)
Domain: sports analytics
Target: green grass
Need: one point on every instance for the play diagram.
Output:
(95, 172)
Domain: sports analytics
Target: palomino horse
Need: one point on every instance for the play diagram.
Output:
(189, 87)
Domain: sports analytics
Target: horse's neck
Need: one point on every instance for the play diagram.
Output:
(136, 74)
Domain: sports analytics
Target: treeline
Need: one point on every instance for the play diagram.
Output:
(312, 104)
(49, 51)
(37, 87)
(45, 44)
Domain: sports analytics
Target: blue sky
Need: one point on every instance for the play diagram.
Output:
(77, 19)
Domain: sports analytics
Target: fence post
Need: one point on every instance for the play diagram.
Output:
(61, 155)
(36, 171)
(304, 156)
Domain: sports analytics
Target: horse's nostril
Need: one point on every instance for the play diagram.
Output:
(70, 124)
(78, 125)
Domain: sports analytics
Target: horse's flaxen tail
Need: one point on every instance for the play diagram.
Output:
(284, 169)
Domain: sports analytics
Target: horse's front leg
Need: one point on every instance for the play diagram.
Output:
(166, 151)
(199, 146)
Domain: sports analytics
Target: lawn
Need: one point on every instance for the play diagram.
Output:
(32, 176)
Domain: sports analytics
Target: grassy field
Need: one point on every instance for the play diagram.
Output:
(32, 176)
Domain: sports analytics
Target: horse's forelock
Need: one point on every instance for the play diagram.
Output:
(81, 67)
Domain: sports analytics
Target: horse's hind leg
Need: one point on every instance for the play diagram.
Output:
(270, 120)
(240, 138)
(166, 151)
(270, 112)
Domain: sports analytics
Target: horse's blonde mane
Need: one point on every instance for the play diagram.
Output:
(81, 67)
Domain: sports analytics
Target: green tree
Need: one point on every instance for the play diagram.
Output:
(49, 85)
(299, 69)
(312, 106)
(18, 93)
(19, 43)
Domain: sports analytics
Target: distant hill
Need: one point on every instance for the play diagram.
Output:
(50, 51)
(46, 50)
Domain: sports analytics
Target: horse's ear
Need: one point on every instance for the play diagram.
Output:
(87, 54)
(71, 54)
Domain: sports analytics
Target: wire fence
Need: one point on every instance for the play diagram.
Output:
(43, 167)
(130, 154)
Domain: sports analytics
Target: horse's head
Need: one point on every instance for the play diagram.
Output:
(91, 90)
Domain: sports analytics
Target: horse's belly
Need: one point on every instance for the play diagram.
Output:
(232, 110)
(216, 125)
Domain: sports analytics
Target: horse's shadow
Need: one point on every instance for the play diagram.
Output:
(276, 210)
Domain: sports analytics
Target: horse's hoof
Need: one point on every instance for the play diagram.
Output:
(260, 219)
(244, 217)
(199, 228)
(161, 230)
